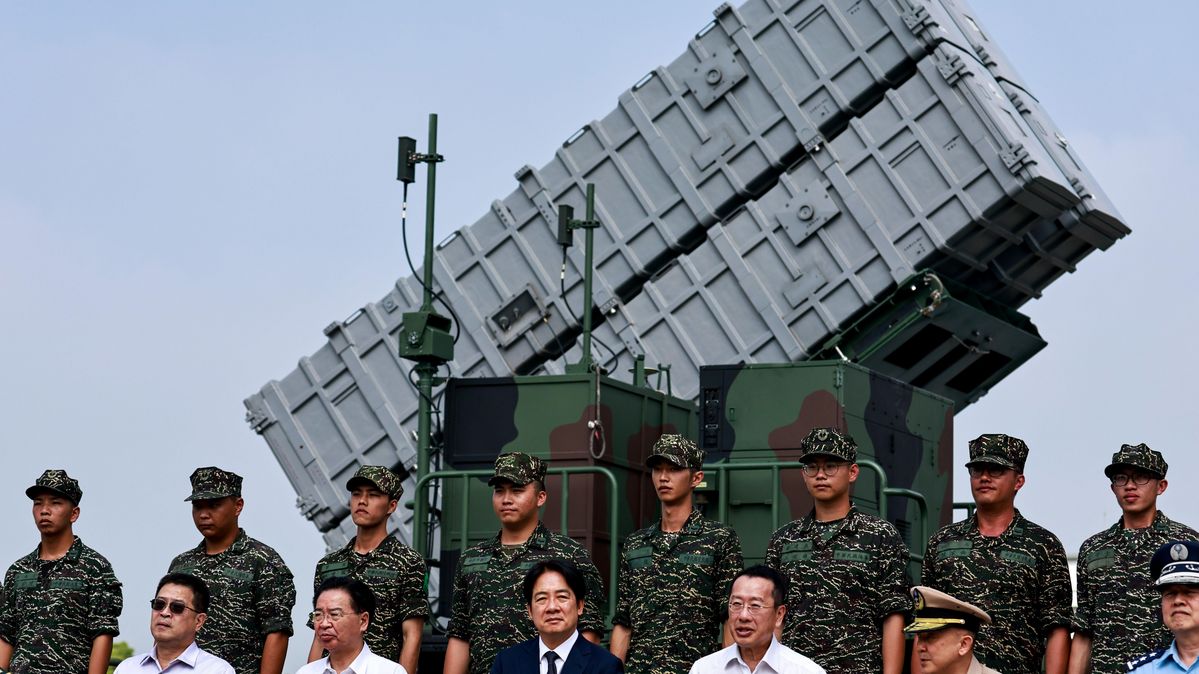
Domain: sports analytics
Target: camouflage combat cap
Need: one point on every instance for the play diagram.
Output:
(935, 610)
(1140, 457)
(212, 482)
(518, 468)
(379, 477)
(998, 449)
(678, 450)
(57, 482)
(828, 442)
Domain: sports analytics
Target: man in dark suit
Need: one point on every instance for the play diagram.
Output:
(555, 593)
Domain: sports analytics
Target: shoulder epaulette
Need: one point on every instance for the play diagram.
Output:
(1143, 659)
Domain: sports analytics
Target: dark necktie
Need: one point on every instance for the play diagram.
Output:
(550, 659)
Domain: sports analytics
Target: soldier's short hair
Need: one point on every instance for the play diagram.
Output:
(569, 572)
(362, 598)
(779, 593)
(197, 585)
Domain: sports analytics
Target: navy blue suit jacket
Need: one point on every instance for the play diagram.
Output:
(585, 658)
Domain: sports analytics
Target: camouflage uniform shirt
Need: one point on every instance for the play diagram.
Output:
(252, 595)
(846, 577)
(489, 609)
(396, 574)
(1118, 605)
(53, 609)
(1020, 578)
(673, 592)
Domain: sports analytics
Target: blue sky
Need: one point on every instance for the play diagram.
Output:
(190, 192)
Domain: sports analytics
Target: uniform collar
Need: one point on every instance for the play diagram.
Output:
(693, 525)
(540, 539)
(73, 552)
(1016, 527)
(849, 523)
(386, 544)
(239, 545)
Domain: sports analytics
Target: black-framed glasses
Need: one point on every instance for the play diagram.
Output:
(177, 607)
(989, 469)
(1139, 479)
(830, 468)
(736, 607)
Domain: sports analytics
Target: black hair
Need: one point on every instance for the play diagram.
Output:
(568, 571)
(198, 587)
(779, 593)
(362, 599)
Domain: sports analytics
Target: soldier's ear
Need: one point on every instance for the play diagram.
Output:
(238, 504)
(965, 644)
(1161, 486)
(75, 513)
(541, 496)
(391, 507)
(1019, 481)
(853, 472)
(697, 476)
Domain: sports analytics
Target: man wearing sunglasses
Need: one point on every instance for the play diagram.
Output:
(1009, 567)
(177, 612)
(847, 570)
(1119, 610)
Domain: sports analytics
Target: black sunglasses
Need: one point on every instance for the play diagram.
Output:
(177, 607)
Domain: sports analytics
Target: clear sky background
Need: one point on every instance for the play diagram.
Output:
(190, 192)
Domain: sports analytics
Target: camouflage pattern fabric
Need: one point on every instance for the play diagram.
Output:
(678, 450)
(828, 442)
(54, 609)
(1138, 456)
(518, 468)
(999, 449)
(58, 482)
(488, 608)
(396, 574)
(1020, 578)
(381, 478)
(845, 577)
(212, 482)
(1118, 605)
(252, 595)
(673, 593)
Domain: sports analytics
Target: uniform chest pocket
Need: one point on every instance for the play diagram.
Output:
(640, 558)
(1099, 560)
(475, 564)
(799, 551)
(333, 569)
(25, 581)
(954, 550)
(382, 574)
(237, 576)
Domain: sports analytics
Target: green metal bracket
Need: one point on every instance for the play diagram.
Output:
(588, 225)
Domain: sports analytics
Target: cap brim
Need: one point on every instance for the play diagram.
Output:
(926, 625)
(992, 461)
(357, 479)
(207, 496)
(672, 460)
(838, 457)
(33, 491)
(1113, 468)
(1179, 578)
(507, 478)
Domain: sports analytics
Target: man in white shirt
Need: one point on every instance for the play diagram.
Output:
(343, 610)
(177, 611)
(756, 611)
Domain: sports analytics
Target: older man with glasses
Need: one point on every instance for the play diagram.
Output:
(177, 612)
(344, 608)
(847, 569)
(1119, 614)
(756, 611)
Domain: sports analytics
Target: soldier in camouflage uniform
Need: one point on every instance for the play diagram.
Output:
(847, 569)
(392, 570)
(1004, 564)
(488, 610)
(249, 617)
(61, 601)
(675, 575)
(1119, 610)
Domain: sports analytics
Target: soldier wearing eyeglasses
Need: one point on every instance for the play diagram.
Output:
(61, 601)
(177, 612)
(344, 608)
(1118, 614)
(847, 569)
(676, 573)
(1009, 567)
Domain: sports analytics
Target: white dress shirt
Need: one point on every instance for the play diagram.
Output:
(193, 660)
(563, 652)
(778, 660)
(365, 663)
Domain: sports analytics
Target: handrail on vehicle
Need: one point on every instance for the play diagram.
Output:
(882, 491)
(968, 506)
(613, 547)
